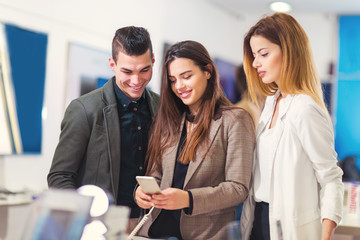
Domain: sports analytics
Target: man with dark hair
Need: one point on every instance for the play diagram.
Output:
(104, 134)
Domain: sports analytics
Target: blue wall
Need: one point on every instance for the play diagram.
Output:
(347, 127)
(27, 53)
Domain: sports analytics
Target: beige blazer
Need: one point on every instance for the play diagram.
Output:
(218, 181)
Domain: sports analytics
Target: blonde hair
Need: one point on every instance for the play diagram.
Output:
(298, 72)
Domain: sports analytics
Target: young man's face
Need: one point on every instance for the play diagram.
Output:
(132, 73)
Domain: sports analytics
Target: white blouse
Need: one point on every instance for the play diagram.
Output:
(262, 164)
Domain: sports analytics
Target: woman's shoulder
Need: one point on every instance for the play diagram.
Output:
(303, 99)
(303, 102)
(305, 107)
(232, 113)
(236, 119)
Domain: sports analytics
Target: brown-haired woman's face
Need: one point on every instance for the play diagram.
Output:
(267, 59)
(188, 82)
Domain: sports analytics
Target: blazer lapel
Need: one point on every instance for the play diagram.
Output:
(169, 159)
(265, 115)
(285, 105)
(112, 125)
(201, 153)
(269, 110)
(283, 108)
(111, 119)
(153, 102)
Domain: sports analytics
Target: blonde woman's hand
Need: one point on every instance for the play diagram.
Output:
(328, 229)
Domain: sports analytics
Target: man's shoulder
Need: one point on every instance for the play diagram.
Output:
(152, 94)
(102, 95)
(93, 101)
(91, 97)
(153, 97)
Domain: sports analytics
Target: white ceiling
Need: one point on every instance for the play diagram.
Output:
(239, 8)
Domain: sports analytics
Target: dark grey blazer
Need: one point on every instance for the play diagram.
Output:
(88, 151)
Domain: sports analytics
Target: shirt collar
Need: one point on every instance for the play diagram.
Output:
(123, 98)
(284, 103)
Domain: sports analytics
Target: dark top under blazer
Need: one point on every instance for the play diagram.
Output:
(88, 151)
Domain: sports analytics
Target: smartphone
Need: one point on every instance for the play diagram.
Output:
(148, 184)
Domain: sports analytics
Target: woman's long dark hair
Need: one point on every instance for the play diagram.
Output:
(166, 127)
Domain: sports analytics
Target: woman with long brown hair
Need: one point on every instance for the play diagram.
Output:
(200, 150)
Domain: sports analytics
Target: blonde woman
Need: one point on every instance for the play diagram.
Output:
(296, 189)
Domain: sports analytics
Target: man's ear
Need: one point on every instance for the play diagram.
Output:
(112, 63)
(153, 58)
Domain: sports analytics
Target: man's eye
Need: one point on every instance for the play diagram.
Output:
(187, 77)
(264, 54)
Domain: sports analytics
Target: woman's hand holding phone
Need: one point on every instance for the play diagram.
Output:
(142, 199)
(148, 195)
(148, 186)
(171, 199)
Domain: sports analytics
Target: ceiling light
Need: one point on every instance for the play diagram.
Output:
(280, 7)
